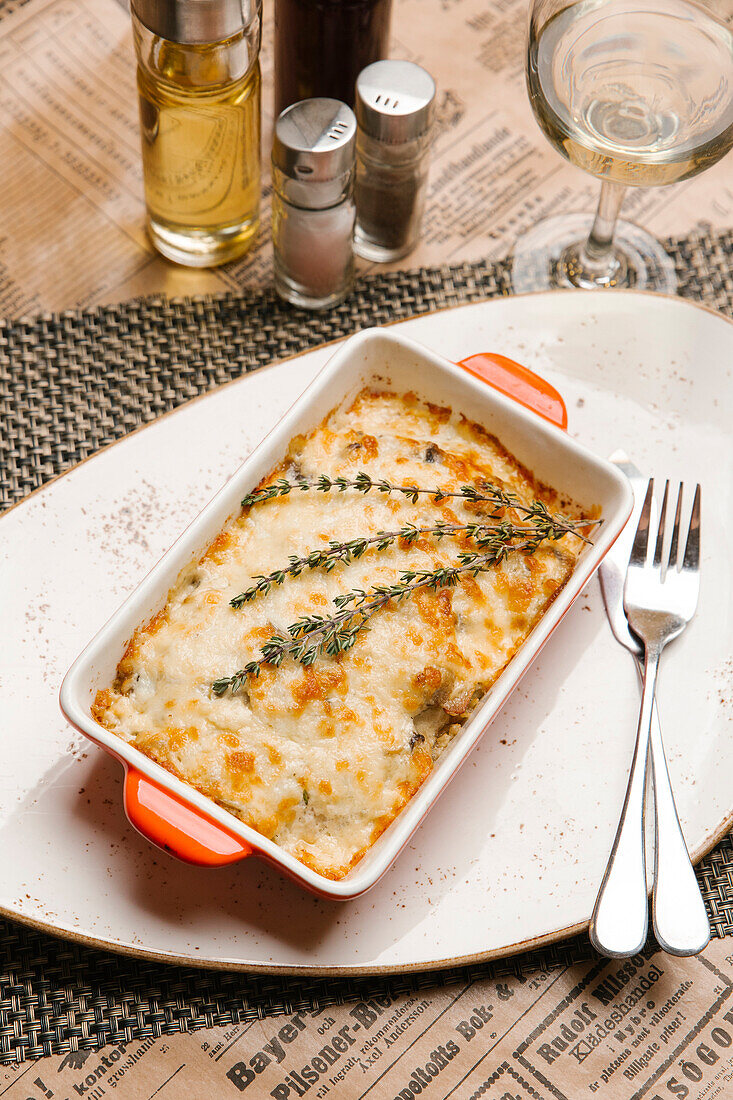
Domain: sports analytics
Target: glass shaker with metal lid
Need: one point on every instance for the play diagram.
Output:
(313, 202)
(395, 105)
(198, 80)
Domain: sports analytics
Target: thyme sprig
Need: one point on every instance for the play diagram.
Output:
(485, 491)
(313, 635)
(327, 558)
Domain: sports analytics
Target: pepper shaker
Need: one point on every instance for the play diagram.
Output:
(313, 202)
(395, 103)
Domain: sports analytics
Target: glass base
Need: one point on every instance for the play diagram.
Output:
(369, 249)
(547, 256)
(305, 297)
(199, 247)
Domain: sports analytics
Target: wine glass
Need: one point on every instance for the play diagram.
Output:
(638, 93)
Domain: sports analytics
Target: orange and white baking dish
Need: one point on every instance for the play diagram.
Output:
(509, 401)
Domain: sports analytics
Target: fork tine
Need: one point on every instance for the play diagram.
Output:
(660, 531)
(673, 546)
(641, 538)
(692, 548)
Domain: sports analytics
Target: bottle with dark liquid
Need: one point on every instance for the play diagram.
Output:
(321, 46)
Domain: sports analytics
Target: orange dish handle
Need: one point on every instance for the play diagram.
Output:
(178, 828)
(521, 384)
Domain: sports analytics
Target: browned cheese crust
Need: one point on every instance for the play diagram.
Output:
(322, 759)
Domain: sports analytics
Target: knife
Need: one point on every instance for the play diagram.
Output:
(620, 917)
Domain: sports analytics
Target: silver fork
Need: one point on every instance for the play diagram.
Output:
(659, 602)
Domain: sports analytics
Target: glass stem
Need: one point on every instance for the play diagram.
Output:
(598, 253)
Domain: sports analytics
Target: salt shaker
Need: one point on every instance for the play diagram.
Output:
(313, 202)
(395, 104)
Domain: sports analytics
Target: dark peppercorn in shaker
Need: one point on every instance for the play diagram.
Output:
(395, 102)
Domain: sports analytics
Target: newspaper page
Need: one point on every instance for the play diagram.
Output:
(72, 212)
(652, 1027)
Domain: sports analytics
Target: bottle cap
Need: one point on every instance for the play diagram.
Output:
(395, 101)
(313, 151)
(196, 22)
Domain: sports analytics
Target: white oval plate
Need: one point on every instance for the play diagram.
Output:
(512, 854)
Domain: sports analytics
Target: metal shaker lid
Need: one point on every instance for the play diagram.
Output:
(313, 152)
(196, 22)
(395, 101)
(314, 140)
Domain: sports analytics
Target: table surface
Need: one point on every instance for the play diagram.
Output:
(71, 384)
(72, 217)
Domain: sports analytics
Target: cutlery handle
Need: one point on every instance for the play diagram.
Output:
(620, 918)
(681, 922)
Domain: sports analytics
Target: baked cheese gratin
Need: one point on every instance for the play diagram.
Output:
(320, 757)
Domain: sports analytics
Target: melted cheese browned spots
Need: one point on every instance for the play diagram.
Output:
(317, 683)
(361, 446)
(240, 762)
(430, 678)
(322, 759)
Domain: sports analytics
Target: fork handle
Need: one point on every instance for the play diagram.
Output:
(620, 918)
(681, 922)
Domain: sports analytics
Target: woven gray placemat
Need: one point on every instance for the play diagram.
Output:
(73, 382)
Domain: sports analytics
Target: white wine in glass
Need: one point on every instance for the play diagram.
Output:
(638, 93)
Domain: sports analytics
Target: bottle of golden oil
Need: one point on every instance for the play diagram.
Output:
(198, 79)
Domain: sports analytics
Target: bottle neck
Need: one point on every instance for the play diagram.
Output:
(198, 66)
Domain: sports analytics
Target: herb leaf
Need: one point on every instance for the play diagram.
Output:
(313, 635)
(483, 534)
(485, 491)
